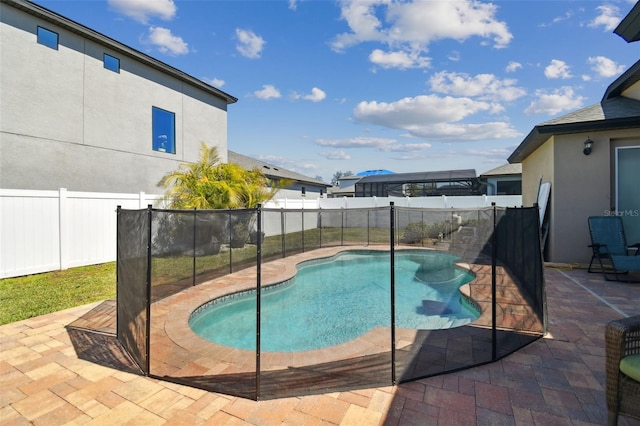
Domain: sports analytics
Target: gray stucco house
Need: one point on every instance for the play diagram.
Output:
(595, 180)
(82, 111)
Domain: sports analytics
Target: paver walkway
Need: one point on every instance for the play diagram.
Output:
(558, 380)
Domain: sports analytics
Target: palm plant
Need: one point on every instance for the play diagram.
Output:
(209, 184)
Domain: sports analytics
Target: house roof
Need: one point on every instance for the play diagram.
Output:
(614, 112)
(440, 176)
(504, 170)
(629, 27)
(375, 172)
(271, 171)
(66, 23)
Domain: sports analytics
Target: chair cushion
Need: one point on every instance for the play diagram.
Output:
(630, 365)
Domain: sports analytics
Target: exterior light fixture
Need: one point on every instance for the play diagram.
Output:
(587, 146)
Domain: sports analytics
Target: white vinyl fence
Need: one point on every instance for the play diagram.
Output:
(44, 231)
(442, 202)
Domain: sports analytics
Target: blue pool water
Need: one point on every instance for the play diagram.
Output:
(334, 300)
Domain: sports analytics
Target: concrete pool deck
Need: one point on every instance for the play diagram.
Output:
(50, 376)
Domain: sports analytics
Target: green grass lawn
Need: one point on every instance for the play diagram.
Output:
(33, 295)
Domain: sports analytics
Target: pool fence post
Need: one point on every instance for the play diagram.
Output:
(147, 365)
(494, 253)
(302, 212)
(392, 290)
(118, 242)
(320, 224)
(230, 249)
(282, 231)
(342, 226)
(195, 221)
(258, 295)
(368, 226)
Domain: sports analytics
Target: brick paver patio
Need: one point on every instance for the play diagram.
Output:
(558, 380)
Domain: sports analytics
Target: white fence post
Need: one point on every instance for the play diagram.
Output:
(63, 217)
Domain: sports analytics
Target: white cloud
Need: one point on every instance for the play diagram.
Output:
(292, 165)
(316, 95)
(215, 82)
(411, 26)
(409, 147)
(433, 117)
(380, 144)
(335, 155)
(399, 59)
(513, 66)
(357, 142)
(604, 66)
(454, 56)
(249, 44)
(557, 69)
(563, 99)
(268, 92)
(483, 86)
(293, 4)
(566, 16)
(143, 10)
(166, 42)
(608, 18)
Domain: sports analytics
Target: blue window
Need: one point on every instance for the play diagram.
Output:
(48, 38)
(111, 63)
(164, 130)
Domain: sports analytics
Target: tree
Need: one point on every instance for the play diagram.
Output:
(337, 175)
(209, 184)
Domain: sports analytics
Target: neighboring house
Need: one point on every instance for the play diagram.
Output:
(504, 180)
(591, 157)
(298, 185)
(84, 112)
(419, 184)
(346, 187)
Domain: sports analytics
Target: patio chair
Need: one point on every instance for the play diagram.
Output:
(608, 243)
(622, 338)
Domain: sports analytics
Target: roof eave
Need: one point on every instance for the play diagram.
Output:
(629, 27)
(624, 81)
(539, 134)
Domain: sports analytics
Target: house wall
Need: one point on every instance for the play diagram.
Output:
(581, 186)
(538, 165)
(69, 122)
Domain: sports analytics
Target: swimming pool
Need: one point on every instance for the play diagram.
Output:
(333, 300)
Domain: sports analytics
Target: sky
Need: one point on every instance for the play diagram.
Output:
(407, 86)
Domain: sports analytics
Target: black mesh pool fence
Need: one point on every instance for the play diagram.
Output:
(478, 275)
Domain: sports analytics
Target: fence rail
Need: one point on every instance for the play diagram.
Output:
(43, 231)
